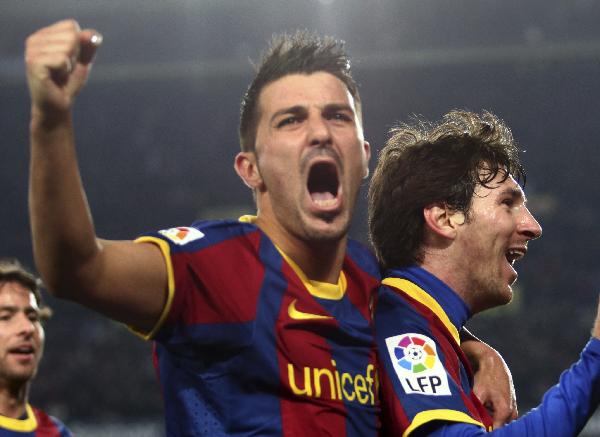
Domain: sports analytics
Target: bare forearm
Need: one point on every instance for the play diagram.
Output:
(124, 280)
(493, 381)
(62, 229)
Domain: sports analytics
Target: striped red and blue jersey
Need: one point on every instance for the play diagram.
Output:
(248, 345)
(425, 376)
(426, 380)
(35, 423)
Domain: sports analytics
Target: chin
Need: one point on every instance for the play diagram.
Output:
(506, 297)
(326, 235)
(23, 376)
(324, 229)
(496, 297)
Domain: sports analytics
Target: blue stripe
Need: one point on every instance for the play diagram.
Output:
(351, 346)
(259, 409)
(396, 316)
(224, 378)
(364, 258)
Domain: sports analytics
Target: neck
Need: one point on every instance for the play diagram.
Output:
(319, 260)
(13, 399)
(439, 264)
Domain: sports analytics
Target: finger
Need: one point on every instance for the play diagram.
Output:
(54, 49)
(501, 415)
(68, 25)
(64, 32)
(55, 65)
(89, 42)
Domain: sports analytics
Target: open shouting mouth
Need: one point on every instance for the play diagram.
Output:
(323, 184)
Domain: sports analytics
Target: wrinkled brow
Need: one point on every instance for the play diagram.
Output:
(296, 110)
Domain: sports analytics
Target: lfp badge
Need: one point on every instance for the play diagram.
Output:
(182, 235)
(417, 365)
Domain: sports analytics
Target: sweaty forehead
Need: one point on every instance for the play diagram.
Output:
(315, 89)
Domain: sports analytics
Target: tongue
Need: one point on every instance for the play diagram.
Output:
(319, 197)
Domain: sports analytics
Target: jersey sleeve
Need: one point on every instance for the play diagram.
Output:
(564, 410)
(423, 379)
(62, 429)
(45, 425)
(212, 284)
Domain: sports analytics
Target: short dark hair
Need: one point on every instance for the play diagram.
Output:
(302, 52)
(425, 163)
(11, 270)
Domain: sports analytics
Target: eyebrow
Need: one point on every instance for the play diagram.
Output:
(515, 193)
(334, 107)
(296, 109)
(15, 309)
(299, 109)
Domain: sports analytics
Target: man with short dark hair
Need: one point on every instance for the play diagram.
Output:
(262, 325)
(448, 219)
(22, 313)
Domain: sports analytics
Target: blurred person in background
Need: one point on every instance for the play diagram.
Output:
(448, 220)
(22, 313)
(262, 325)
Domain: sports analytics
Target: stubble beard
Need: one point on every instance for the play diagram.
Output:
(332, 233)
(491, 292)
(16, 378)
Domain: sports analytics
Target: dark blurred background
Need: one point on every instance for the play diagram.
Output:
(157, 133)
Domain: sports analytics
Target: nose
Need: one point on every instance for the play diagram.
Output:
(319, 130)
(26, 326)
(529, 226)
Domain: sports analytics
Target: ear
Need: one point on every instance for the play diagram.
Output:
(246, 167)
(367, 150)
(443, 221)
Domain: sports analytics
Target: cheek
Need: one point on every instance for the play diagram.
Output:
(41, 336)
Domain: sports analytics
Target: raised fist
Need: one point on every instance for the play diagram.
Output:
(58, 60)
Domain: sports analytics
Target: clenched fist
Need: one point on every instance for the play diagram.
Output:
(58, 60)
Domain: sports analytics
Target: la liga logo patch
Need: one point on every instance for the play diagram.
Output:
(417, 365)
(182, 235)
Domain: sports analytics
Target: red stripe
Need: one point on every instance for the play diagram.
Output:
(218, 284)
(392, 412)
(454, 355)
(45, 427)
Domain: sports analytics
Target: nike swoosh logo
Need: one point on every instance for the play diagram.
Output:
(300, 315)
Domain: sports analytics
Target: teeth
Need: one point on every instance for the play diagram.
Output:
(325, 202)
(512, 255)
(323, 198)
(320, 196)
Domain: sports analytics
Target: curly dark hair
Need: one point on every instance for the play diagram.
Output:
(302, 52)
(11, 270)
(425, 163)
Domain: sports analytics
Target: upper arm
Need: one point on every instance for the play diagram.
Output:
(423, 378)
(127, 282)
